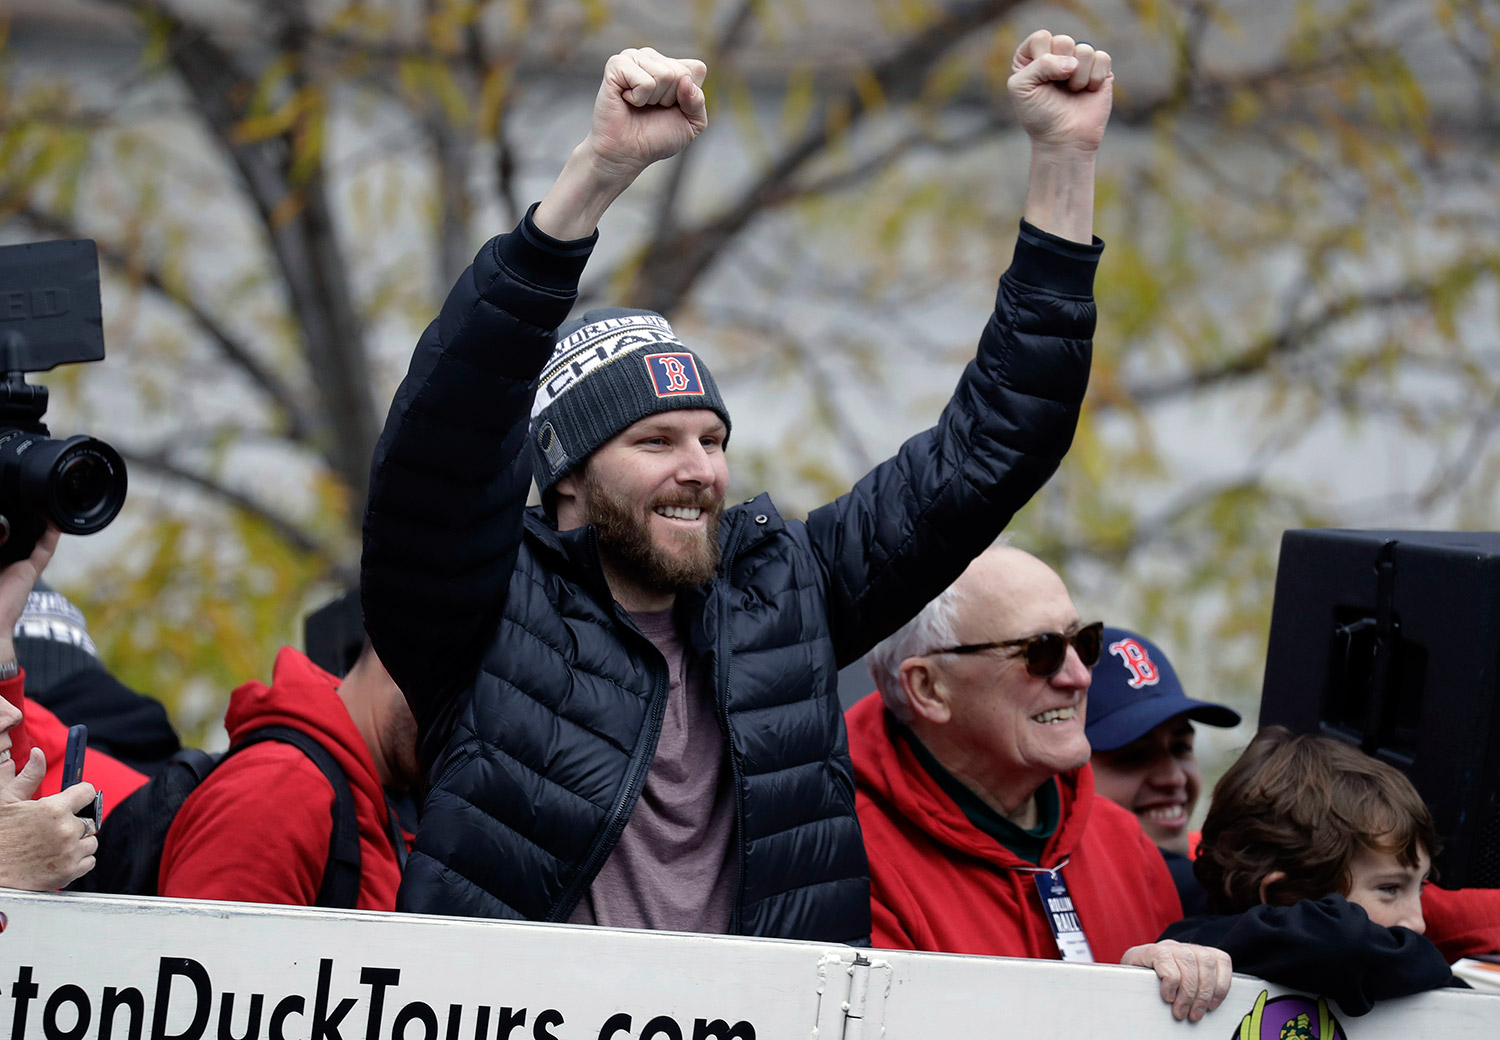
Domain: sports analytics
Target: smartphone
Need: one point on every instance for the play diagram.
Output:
(78, 742)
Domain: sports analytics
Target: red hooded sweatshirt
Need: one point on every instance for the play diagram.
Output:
(939, 883)
(40, 728)
(257, 830)
(1463, 922)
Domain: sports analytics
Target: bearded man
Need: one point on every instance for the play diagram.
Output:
(627, 696)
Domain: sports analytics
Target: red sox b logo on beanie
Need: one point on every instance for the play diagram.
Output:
(674, 374)
(600, 379)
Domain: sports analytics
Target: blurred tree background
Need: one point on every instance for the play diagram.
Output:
(1298, 300)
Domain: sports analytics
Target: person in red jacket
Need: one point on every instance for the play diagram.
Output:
(976, 798)
(43, 844)
(275, 793)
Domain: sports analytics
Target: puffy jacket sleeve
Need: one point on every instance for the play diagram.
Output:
(911, 525)
(1327, 946)
(451, 471)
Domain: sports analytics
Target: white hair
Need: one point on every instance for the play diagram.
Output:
(932, 629)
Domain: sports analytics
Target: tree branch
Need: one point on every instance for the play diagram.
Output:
(733, 35)
(676, 258)
(287, 529)
(1299, 336)
(289, 196)
(279, 395)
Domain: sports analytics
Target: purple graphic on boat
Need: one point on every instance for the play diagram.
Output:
(1289, 1018)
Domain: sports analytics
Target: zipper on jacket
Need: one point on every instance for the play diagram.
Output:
(722, 662)
(461, 756)
(640, 765)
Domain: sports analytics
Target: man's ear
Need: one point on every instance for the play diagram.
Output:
(566, 503)
(1274, 877)
(924, 690)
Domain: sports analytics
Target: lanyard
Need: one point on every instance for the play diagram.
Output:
(1062, 916)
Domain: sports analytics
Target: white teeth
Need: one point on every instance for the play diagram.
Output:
(1167, 814)
(679, 512)
(1055, 715)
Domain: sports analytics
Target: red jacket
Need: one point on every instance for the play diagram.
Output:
(257, 830)
(40, 728)
(939, 883)
(1463, 922)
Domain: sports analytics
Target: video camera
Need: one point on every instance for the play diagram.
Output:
(50, 315)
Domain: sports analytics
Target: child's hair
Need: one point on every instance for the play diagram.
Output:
(1305, 805)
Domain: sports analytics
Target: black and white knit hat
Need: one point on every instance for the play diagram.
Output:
(52, 640)
(611, 368)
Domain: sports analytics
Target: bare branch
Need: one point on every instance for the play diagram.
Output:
(289, 196)
(287, 529)
(1299, 336)
(735, 31)
(862, 171)
(677, 258)
(505, 152)
(279, 395)
(1451, 477)
(451, 152)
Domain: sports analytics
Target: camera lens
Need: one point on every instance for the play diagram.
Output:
(83, 484)
(77, 484)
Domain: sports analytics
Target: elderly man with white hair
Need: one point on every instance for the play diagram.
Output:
(977, 800)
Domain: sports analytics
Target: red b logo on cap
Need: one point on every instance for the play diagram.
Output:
(1143, 670)
(673, 374)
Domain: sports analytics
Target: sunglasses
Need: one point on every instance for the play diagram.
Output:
(1045, 652)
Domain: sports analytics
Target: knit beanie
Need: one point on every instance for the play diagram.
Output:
(52, 640)
(611, 368)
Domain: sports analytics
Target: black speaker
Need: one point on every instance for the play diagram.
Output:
(1390, 640)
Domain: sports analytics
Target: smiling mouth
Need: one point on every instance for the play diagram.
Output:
(1165, 814)
(679, 512)
(1055, 715)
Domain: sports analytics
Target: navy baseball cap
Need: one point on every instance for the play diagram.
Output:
(1134, 690)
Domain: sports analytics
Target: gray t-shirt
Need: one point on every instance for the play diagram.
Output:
(673, 867)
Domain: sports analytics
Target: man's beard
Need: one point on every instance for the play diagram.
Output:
(688, 561)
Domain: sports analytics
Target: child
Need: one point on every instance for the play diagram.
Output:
(1315, 855)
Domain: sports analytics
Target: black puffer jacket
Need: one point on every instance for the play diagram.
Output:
(540, 703)
(1326, 946)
